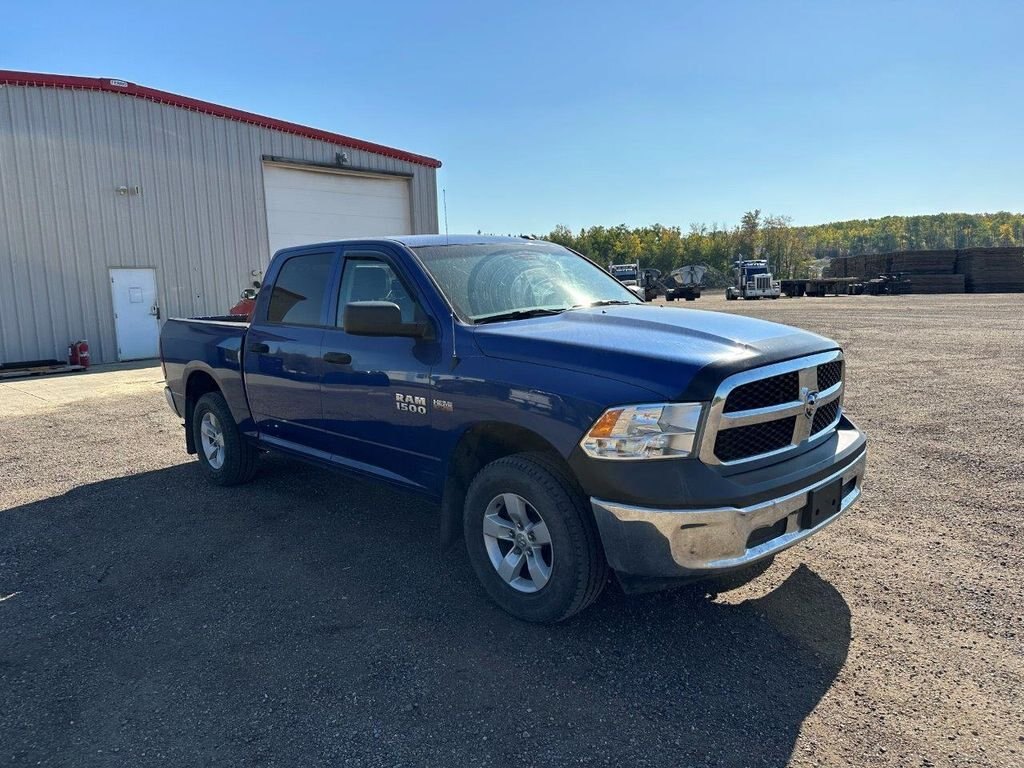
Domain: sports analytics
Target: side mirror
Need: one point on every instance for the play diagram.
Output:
(380, 318)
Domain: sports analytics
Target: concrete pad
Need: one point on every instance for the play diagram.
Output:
(38, 394)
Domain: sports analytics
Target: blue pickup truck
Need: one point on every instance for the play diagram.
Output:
(567, 429)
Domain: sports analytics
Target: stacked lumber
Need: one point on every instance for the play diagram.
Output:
(985, 270)
(18, 370)
(923, 262)
(855, 267)
(935, 283)
(876, 264)
(836, 267)
(992, 270)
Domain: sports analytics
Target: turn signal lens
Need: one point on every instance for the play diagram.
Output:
(606, 424)
(656, 431)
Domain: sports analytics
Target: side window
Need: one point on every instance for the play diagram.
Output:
(298, 295)
(370, 278)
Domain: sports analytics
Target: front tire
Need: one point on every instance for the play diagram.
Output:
(532, 540)
(225, 456)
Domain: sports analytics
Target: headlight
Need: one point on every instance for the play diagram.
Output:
(656, 431)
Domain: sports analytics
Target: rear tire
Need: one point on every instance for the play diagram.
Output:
(546, 577)
(225, 456)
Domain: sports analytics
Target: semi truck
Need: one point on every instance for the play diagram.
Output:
(501, 380)
(631, 276)
(753, 280)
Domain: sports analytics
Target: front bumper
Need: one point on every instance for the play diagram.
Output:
(689, 543)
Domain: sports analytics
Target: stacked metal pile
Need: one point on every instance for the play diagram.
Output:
(992, 270)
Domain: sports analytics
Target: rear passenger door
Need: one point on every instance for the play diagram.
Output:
(282, 351)
(376, 390)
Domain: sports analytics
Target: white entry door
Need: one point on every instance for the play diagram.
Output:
(313, 206)
(136, 313)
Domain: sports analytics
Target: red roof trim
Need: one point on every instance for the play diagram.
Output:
(8, 77)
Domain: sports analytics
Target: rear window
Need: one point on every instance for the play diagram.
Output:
(298, 295)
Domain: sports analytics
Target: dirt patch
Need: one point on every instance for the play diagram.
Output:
(307, 619)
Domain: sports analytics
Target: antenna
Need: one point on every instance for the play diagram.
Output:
(444, 199)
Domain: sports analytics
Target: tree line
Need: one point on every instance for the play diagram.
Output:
(792, 251)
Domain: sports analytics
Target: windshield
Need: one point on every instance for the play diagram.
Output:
(493, 279)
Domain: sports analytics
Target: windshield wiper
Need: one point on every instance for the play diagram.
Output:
(605, 303)
(518, 314)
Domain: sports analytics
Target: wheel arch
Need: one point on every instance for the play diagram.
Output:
(478, 446)
(198, 383)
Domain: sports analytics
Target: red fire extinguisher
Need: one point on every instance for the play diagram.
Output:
(83, 354)
(78, 353)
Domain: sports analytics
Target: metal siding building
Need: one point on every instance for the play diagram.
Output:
(102, 174)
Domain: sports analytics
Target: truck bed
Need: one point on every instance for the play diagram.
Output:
(233, 319)
(212, 345)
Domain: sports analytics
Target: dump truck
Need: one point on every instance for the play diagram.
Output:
(685, 283)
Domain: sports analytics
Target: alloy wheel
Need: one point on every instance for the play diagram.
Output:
(518, 543)
(212, 438)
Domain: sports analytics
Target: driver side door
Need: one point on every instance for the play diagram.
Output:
(376, 391)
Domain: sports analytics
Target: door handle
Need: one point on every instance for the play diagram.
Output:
(259, 348)
(338, 358)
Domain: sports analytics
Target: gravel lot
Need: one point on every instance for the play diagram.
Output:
(308, 619)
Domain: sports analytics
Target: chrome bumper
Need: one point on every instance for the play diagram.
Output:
(692, 542)
(170, 401)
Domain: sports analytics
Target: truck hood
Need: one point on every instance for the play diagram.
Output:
(678, 353)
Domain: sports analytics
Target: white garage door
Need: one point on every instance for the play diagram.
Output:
(305, 206)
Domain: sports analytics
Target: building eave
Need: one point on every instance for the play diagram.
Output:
(125, 88)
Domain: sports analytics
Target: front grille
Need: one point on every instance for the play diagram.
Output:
(829, 374)
(824, 415)
(764, 392)
(736, 429)
(754, 439)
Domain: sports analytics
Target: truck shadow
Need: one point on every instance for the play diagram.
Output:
(309, 619)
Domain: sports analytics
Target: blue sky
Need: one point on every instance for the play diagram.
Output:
(603, 113)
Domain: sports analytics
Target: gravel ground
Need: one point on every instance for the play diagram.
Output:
(308, 619)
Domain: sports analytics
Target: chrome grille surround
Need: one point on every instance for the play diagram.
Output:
(807, 369)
